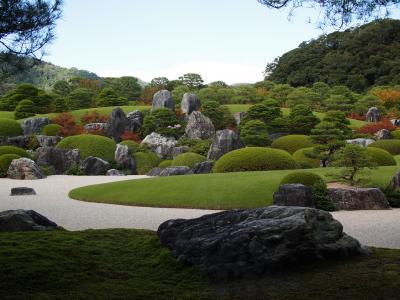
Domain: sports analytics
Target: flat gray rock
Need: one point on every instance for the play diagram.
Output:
(21, 191)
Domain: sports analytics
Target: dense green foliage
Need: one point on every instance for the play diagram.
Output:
(9, 127)
(292, 143)
(14, 150)
(5, 161)
(305, 178)
(254, 133)
(197, 146)
(396, 134)
(391, 146)
(302, 159)
(162, 121)
(165, 163)
(302, 120)
(51, 129)
(188, 159)
(219, 115)
(380, 156)
(90, 145)
(145, 161)
(25, 109)
(254, 159)
(133, 146)
(358, 58)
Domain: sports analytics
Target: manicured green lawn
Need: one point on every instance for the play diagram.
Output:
(6, 115)
(132, 264)
(208, 191)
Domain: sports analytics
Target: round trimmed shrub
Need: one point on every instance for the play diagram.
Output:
(9, 127)
(396, 134)
(292, 143)
(5, 161)
(381, 157)
(133, 146)
(90, 145)
(51, 129)
(14, 150)
(25, 109)
(391, 146)
(165, 163)
(188, 159)
(145, 161)
(305, 178)
(301, 158)
(255, 159)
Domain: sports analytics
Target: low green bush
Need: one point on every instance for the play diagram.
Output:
(5, 161)
(14, 150)
(392, 195)
(306, 178)
(301, 158)
(197, 146)
(165, 163)
(391, 146)
(254, 133)
(25, 109)
(292, 143)
(188, 159)
(51, 129)
(133, 146)
(90, 145)
(9, 127)
(396, 134)
(145, 161)
(255, 159)
(381, 157)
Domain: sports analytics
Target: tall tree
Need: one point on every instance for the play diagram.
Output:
(192, 80)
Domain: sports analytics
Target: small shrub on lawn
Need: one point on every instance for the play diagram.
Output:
(381, 157)
(51, 129)
(306, 178)
(13, 150)
(255, 159)
(376, 126)
(292, 143)
(188, 159)
(301, 158)
(5, 161)
(165, 163)
(9, 127)
(391, 146)
(145, 161)
(90, 145)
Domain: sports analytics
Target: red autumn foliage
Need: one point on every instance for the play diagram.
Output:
(93, 117)
(131, 136)
(68, 124)
(355, 116)
(376, 126)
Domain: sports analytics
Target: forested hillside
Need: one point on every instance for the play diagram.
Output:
(358, 58)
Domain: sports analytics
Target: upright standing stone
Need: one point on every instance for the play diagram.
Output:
(135, 120)
(224, 141)
(239, 117)
(199, 127)
(383, 134)
(117, 123)
(123, 157)
(24, 168)
(163, 99)
(373, 115)
(190, 102)
(34, 125)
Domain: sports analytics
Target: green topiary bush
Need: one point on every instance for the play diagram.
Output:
(90, 145)
(9, 127)
(301, 158)
(391, 146)
(25, 109)
(254, 133)
(51, 129)
(292, 143)
(381, 157)
(306, 178)
(133, 146)
(165, 163)
(396, 134)
(188, 159)
(13, 150)
(255, 159)
(5, 161)
(197, 146)
(145, 161)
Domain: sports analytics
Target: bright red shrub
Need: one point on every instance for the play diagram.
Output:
(376, 126)
(68, 124)
(93, 117)
(355, 116)
(131, 136)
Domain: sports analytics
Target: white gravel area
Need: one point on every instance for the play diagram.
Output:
(380, 228)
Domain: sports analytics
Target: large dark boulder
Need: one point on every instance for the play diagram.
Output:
(174, 171)
(234, 243)
(203, 167)
(24, 168)
(199, 127)
(116, 124)
(57, 160)
(294, 195)
(24, 220)
(224, 141)
(190, 102)
(94, 166)
(135, 120)
(358, 198)
(124, 159)
(163, 99)
(34, 125)
(373, 115)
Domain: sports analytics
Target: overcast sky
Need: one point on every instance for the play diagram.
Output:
(229, 40)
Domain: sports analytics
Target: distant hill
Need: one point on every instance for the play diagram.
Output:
(359, 58)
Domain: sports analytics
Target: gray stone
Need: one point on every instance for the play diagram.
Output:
(155, 172)
(94, 166)
(135, 120)
(224, 141)
(58, 160)
(117, 123)
(358, 198)
(21, 141)
(383, 134)
(95, 127)
(395, 122)
(199, 127)
(174, 171)
(239, 117)
(48, 141)
(234, 243)
(373, 115)
(22, 191)
(203, 167)
(361, 141)
(395, 181)
(114, 172)
(163, 99)
(124, 159)
(294, 195)
(179, 150)
(34, 125)
(24, 168)
(190, 102)
(160, 145)
(24, 220)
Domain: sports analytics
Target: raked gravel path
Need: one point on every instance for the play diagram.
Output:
(380, 228)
